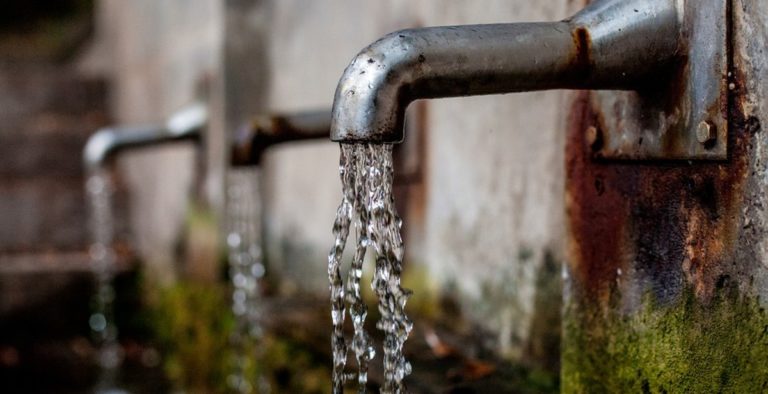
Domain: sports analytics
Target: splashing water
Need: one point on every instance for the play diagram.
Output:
(99, 190)
(367, 174)
(246, 270)
(341, 232)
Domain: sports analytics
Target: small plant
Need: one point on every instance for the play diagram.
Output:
(193, 325)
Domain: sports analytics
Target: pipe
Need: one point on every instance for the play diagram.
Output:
(184, 125)
(268, 130)
(611, 44)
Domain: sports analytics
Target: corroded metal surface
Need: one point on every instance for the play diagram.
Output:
(267, 130)
(658, 225)
(666, 274)
(661, 225)
(666, 222)
(661, 119)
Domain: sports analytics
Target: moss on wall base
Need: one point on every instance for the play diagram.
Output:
(688, 346)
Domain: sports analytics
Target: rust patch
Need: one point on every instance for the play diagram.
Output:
(581, 59)
(410, 160)
(582, 42)
(665, 224)
(266, 131)
(595, 238)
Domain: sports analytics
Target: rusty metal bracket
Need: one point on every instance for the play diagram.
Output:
(682, 114)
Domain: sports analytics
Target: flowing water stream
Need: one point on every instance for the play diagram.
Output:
(246, 270)
(368, 204)
(99, 189)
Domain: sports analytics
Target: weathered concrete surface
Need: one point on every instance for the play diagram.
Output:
(309, 46)
(47, 111)
(162, 52)
(494, 205)
(666, 261)
(45, 117)
(489, 223)
(492, 192)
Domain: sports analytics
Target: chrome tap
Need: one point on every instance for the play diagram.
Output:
(611, 44)
(184, 125)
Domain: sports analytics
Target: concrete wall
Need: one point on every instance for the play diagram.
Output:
(674, 298)
(309, 46)
(492, 220)
(161, 52)
(493, 185)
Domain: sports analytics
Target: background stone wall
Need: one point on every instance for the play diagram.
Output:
(492, 214)
(492, 191)
(485, 220)
(159, 56)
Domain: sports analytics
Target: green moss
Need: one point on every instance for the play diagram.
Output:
(689, 346)
(543, 346)
(293, 367)
(193, 326)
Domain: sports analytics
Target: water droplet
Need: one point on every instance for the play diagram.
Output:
(239, 280)
(97, 322)
(257, 270)
(233, 240)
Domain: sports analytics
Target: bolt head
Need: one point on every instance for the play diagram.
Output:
(705, 132)
(592, 136)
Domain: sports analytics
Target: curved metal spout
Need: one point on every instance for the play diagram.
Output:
(611, 44)
(186, 124)
(268, 130)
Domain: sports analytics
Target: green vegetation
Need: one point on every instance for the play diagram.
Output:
(294, 368)
(193, 326)
(688, 347)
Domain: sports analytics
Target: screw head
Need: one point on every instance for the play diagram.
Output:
(706, 132)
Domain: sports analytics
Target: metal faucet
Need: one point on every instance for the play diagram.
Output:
(268, 130)
(610, 44)
(184, 125)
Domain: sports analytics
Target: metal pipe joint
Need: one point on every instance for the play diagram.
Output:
(609, 45)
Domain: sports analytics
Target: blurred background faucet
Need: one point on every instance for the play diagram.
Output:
(268, 130)
(186, 124)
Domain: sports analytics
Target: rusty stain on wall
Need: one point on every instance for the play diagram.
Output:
(666, 259)
(410, 160)
(668, 223)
